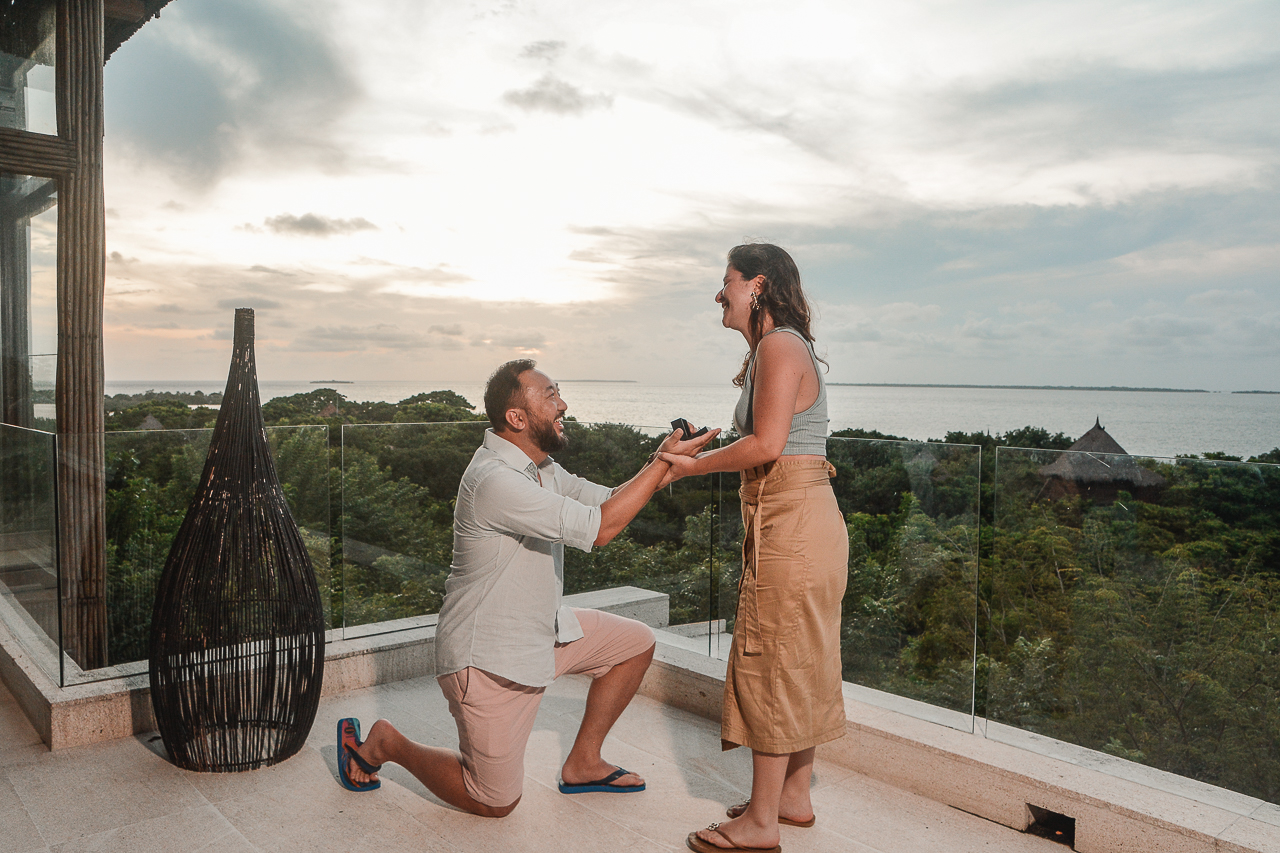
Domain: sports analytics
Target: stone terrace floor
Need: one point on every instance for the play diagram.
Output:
(122, 796)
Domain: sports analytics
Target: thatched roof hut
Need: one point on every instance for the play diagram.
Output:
(1096, 466)
(122, 18)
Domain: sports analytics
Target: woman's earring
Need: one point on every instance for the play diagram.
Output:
(755, 301)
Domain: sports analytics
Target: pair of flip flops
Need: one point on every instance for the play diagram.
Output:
(602, 785)
(348, 742)
(696, 844)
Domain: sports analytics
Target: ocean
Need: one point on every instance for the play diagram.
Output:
(1147, 423)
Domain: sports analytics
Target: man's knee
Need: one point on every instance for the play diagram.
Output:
(495, 811)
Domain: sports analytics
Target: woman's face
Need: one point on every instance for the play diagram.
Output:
(735, 299)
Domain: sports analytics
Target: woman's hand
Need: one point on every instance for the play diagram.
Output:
(678, 467)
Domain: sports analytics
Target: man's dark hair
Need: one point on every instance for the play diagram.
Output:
(502, 388)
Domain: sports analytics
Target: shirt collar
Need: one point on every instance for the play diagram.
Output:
(510, 454)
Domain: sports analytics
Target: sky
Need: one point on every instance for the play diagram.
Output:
(1031, 193)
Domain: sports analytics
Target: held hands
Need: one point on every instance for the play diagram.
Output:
(672, 445)
(680, 455)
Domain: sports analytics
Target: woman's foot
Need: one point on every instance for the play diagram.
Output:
(739, 834)
(741, 808)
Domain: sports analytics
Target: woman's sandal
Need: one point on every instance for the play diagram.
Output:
(740, 809)
(697, 845)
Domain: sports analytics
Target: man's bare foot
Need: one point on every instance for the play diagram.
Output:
(740, 833)
(573, 773)
(371, 752)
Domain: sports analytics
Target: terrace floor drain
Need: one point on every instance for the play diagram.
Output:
(1053, 826)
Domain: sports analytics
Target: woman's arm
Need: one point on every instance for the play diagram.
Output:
(628, 499)
(781, 363)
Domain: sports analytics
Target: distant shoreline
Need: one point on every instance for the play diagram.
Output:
(1035, 387)
(605, 381)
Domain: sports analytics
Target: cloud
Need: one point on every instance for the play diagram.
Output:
(552, 95)
(547, 51)
(865, 330)
(266, 269)
(315, 225)
(380, 336)
(1229, 300)
(517, 339)
(215, 81)
(417, 281)
(1165, 329)
(453, 330)
(986, 329)
(254, 302)
(907, 313)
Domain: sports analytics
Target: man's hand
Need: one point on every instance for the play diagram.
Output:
(673, 445)
(681, 456)
(627, 499)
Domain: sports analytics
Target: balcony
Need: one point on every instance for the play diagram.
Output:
(966, 575)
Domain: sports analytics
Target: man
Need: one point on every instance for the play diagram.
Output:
(503, 633)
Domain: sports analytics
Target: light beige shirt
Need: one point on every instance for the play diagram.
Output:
(502, 608)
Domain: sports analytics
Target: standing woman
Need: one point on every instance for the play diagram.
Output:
(782, 694)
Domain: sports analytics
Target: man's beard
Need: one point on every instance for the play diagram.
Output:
(545, 437)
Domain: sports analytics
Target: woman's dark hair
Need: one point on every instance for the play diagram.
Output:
(782, 296)
(502, 388)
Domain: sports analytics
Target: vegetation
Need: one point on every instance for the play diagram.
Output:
(1145, 628)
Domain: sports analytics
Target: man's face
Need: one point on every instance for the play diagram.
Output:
(544, 410)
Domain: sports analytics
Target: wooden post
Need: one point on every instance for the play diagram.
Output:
(81, 285)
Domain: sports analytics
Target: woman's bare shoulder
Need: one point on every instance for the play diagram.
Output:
(782, 345)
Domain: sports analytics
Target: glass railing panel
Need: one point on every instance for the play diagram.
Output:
(909, 611)
(44, 372)
(399, 482)
(726, 544)
(663, 550)
(1133, 605)
(151, 477)
(28, 544)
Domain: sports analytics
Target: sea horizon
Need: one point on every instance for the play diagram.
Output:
(1144, 422)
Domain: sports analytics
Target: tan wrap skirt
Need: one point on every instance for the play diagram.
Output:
(783, 690)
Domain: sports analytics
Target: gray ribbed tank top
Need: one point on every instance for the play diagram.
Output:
(808, 428)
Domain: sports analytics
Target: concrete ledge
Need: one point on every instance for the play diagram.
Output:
(685, 679)
(999, 781)
(1119, 806)
(119, 705)
(995, 772)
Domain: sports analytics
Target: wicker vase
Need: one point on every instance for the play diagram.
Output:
(237, 635)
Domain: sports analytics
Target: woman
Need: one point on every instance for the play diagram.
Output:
(782, 694)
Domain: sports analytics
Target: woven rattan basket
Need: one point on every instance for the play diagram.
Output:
(237, 635)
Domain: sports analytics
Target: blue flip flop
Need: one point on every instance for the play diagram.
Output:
(602, 785)
(348, 742)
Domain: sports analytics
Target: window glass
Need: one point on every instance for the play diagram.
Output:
(28, 299)
(27, 76)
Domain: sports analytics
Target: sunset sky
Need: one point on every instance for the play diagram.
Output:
(1062, 193)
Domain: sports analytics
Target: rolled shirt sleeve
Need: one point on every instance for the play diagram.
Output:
(572, 486)
(510, 502)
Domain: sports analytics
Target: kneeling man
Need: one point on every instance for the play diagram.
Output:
(504, 634)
